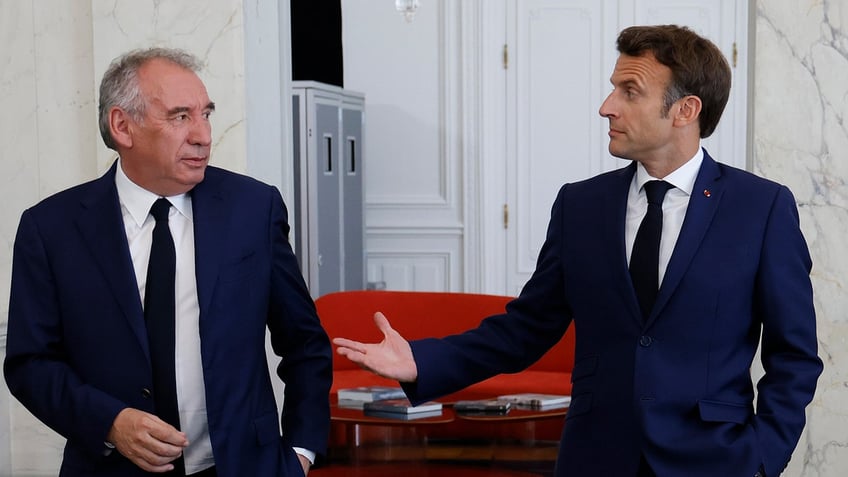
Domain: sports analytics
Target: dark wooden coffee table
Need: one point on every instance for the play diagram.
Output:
(512, 444)
(515, 437)
(380, 439)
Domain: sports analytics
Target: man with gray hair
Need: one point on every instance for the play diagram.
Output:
(140, 300)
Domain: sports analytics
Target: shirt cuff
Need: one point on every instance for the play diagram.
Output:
(310, 456)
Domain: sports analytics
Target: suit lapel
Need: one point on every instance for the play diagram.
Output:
(101, 225)
(210, 234)
(706, 196)
(616, 210)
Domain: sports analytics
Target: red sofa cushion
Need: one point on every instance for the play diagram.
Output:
(415, 315)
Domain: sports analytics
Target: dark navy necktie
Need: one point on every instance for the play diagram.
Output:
(644, 260)
(159, 314)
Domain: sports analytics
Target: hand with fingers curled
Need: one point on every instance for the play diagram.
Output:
(391, 358)
(147, 441)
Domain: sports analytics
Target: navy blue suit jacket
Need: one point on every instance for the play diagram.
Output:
(676, 388)
(77, 350)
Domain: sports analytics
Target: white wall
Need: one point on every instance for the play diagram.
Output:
(411, 76)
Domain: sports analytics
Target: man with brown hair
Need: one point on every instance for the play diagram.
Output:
(672, 270)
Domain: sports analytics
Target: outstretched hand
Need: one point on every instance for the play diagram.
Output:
(390, 358)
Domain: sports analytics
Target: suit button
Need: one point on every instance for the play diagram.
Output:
(645, 341)
(145, 393)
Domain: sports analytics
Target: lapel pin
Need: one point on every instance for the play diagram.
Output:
(707, 193)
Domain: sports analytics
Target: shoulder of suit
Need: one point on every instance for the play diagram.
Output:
(71, 197)
(216, 175)
(748, 178)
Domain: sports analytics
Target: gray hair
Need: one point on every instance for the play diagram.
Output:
(120, 88)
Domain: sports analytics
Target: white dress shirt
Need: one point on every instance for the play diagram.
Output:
(674, 206)
(191, 390)
(138, 225)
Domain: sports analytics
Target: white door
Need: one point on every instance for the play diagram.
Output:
(559, 56)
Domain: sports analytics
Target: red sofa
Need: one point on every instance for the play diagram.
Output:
(349, 314)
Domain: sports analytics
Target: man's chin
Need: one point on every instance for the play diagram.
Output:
(619, 154)
(194, 177)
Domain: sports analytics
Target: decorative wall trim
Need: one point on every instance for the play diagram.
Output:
(396, 201)
(420, 258)
(445, 197)
(413, 270)
(415, 229)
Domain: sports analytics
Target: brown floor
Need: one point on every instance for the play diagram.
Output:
(448, 459)
(411, 470)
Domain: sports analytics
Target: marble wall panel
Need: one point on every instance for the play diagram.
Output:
(18, 133)
(210, 29)
(801, 139)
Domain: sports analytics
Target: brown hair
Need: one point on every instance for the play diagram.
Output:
(698, 67)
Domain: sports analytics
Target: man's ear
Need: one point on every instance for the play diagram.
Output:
(120, 125)
(688, 111)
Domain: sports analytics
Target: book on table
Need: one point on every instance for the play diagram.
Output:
(404, 417)
(350, 403)
(370, 393)
(537, 401)
(483, 406)
(400, 406)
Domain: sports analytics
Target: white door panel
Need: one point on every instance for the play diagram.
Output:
(558, 74)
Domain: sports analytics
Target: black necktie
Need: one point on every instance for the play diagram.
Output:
(644, 260)
(159, 311)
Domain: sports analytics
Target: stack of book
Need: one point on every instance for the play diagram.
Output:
(357, 397)
(537, 402)
(483, 407)
(401, 409)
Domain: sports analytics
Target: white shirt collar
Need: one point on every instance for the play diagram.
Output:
(682, 178)
(138, 200)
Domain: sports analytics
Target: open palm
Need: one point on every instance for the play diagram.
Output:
(391, 358)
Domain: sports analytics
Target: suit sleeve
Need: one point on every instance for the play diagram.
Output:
(298, 337)
(783, 298)
(36, 367)
(507, 343)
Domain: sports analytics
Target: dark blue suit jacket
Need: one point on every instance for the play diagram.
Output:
(77, 350)
(677, 388)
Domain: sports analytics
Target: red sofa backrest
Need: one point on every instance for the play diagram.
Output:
(349, 314)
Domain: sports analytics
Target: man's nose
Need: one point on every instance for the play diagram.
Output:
(606, 109)
(201, 133)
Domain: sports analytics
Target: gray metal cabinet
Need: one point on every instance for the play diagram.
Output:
(328, 214)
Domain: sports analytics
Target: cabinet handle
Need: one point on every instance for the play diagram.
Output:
(351, 163)
(328, 154)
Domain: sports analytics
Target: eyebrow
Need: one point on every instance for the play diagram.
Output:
(184, 109)
(628, 83)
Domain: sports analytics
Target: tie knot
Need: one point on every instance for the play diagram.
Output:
(160, 209)
(655, 190)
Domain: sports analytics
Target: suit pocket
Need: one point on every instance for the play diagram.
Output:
(719, 411)
(238, 270)
(267, 429)
(580, 404)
